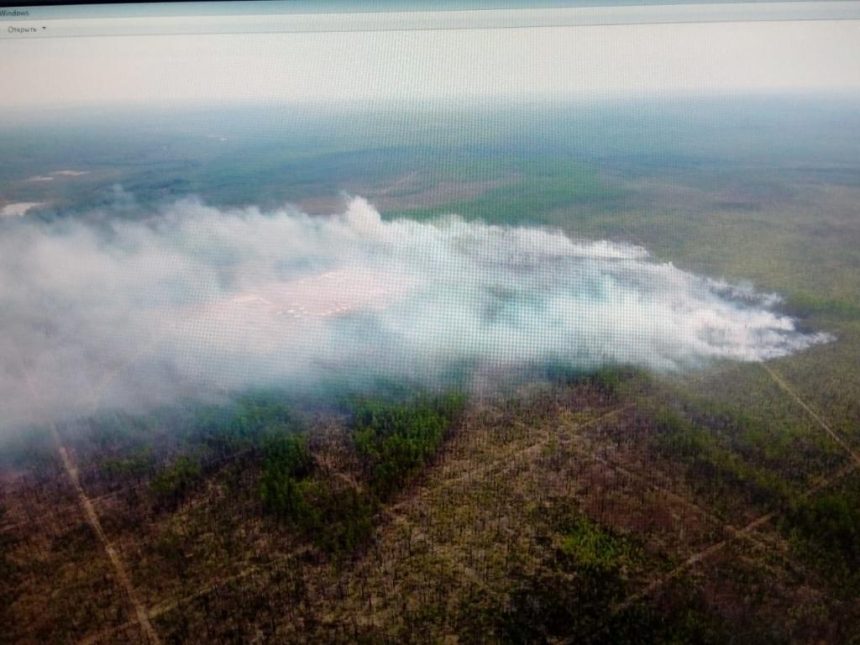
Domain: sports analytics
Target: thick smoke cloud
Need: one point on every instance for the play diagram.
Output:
(195, 300)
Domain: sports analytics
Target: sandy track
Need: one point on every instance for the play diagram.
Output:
(746, 531)
(116, 562)
(785, 387)
(717, 547)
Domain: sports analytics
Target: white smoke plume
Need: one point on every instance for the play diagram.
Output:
(197, 299)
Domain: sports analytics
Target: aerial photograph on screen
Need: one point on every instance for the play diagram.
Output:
(533, 335)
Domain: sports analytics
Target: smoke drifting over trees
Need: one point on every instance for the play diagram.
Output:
(103, 311)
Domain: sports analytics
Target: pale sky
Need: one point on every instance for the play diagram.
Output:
(560, 62)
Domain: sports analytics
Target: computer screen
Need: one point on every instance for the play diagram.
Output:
(485, 321)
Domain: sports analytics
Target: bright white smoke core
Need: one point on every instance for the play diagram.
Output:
(197, 299)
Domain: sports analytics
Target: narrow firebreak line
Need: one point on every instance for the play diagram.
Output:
(785, 387)
(96, 525)
(92, 519)
(704, 554)
(389, 513)
(746, 531)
